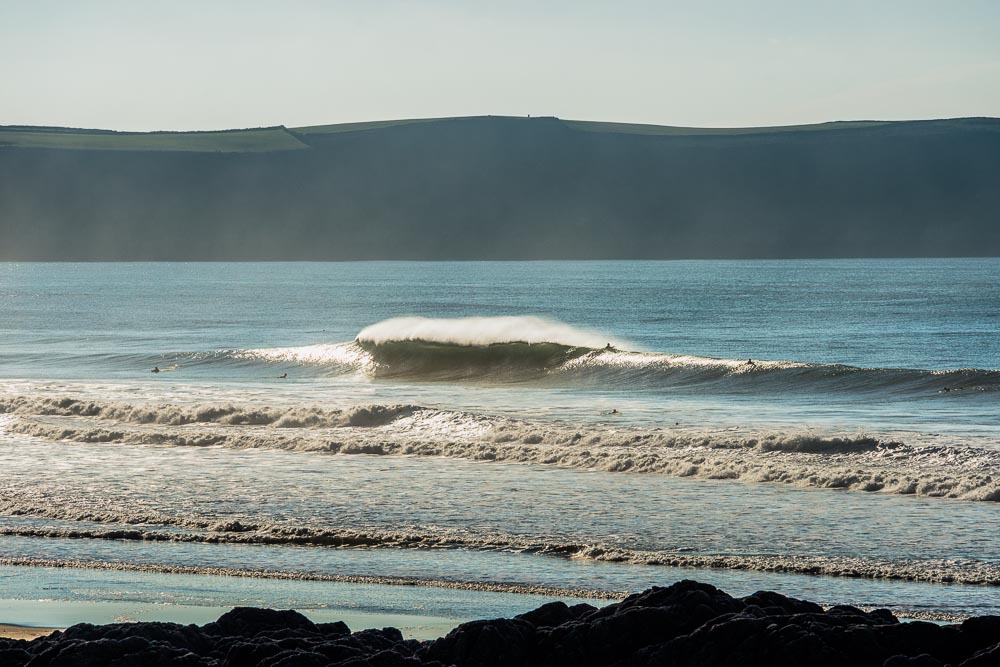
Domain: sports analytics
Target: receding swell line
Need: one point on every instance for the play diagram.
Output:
(478, 586)
(492, 587)
(959, 571)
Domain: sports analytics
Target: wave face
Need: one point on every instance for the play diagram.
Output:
(492, 348)
(443, 361)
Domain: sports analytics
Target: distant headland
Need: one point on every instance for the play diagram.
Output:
(502, 188)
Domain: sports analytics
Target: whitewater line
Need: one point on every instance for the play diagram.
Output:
(928, 570)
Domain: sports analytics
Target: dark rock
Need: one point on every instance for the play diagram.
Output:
(945, 643)
(372, 641)
(922, 660)
(884, 615)
(388, 659)
(582, 609)
(753, 637)
(775, 603)
(849, 611)
(249, 653)
(988, 657)
(652, 617)
(548, 615)
(500, 642)
(295, 659)
(337, 653)
(249, 621)
(188, 637)
(14, 657)
(128, 652)
(982, 631)
(336, 629)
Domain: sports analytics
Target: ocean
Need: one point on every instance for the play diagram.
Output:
(492, 434)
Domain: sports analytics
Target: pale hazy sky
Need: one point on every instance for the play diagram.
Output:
(135, 65)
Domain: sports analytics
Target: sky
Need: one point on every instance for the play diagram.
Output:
(182, 65)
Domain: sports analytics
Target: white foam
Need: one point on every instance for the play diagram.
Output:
(795, 457)
(345, 354)
(482, 331)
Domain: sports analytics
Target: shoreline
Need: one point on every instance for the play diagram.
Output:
(685, 623)
(421, 589)
(933, 571)
(482, 587)
(30, 619)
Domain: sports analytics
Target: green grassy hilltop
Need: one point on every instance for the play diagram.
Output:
(228, 141)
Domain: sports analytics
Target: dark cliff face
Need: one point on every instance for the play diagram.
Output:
(503, 188)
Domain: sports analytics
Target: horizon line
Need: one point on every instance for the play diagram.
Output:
(376, 122)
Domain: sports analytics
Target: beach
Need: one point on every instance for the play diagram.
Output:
(24, 631)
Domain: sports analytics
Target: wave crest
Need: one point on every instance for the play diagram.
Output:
(481, 331)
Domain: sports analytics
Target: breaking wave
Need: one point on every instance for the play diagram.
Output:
(479, 332)
(498, 349)
(855, 461)
(230, 415)
(531, 349)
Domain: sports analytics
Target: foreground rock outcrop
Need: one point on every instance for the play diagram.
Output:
(685, 624)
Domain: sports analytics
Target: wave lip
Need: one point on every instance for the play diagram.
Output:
(480, 331)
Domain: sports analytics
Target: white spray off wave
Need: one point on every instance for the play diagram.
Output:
(481, 331)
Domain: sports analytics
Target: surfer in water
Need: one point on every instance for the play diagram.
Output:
(750, 362)
(283, 376)
(156, 369)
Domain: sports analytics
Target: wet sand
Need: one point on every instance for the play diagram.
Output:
(8, 631)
